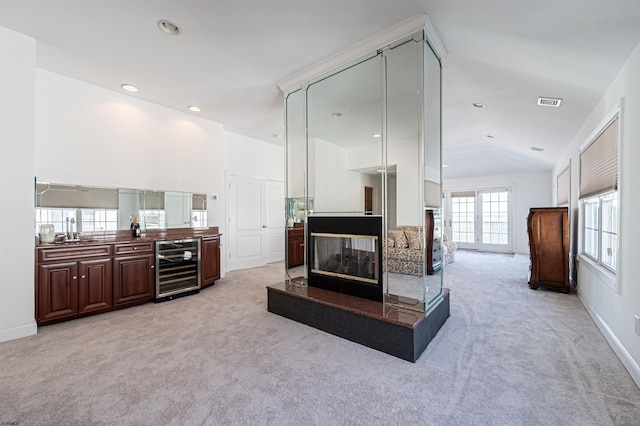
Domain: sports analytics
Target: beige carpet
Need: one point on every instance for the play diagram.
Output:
(508, 355)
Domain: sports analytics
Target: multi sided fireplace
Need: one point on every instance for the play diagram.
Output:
(345, 254)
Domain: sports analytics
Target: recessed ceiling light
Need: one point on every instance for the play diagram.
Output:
(537, 149)
(168, 27)
(478, 105)
(377, 135)
(194, 108)
(553, 102)
(336, 114)
(129, 87)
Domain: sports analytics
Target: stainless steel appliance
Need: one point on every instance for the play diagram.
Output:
(177, 268)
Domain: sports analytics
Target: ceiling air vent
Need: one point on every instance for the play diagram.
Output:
(553, 102)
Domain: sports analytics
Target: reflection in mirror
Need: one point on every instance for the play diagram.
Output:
(372, 147)
(345, 144)
(406, 272)
(96, 209)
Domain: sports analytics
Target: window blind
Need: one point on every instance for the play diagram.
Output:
(599, 163)
(563, 186)
(463, 194)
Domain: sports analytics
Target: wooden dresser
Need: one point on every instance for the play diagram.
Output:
(548, 229)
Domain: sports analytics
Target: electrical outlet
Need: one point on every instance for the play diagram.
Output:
(637, 324)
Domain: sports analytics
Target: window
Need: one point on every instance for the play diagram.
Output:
(495, 217)
(153, 219)
(199, 218)
(57, 217)
(87, 220)
(463, 217)
(599, 196)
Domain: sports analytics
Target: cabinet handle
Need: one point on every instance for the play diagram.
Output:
(153, 266)
(83, 276)
(301, 245)
(135, 248)
(75, 277)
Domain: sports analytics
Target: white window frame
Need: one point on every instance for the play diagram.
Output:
(597, 258)
(594, 263)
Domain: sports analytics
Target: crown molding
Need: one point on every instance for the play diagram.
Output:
(371, 44)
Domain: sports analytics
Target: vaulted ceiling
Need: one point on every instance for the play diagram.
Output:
(231, 53)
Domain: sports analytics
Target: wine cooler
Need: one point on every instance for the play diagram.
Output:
(177, 268)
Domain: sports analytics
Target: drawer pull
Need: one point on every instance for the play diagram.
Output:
(135, 248)
(83, 276)
(153, 266)
(75, 277)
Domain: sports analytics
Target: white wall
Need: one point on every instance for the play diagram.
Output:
(528, 190)
(613, 311)
(66, 131)
(251, 157)
(93, 136)
(17, 93)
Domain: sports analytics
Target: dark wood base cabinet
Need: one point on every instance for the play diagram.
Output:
(209, 261)
(295, 247)
(84, 279)
(134, 273)
(72, 282)
(548, 230)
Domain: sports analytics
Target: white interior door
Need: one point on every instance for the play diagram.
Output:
(247, 222)
(275, 221)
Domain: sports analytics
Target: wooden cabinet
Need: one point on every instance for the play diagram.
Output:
(133, 273)
(78, 279)
(209, 261)
(295, 247)
(95, 289)
(548, 230)
(433, 241)
(72, 281)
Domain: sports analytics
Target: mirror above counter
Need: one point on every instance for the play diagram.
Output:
(101, 209)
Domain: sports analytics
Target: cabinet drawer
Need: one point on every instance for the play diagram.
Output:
(73, 253)
(134, 248)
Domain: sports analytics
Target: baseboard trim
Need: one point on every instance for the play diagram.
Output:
(20, 331)
(625, 357)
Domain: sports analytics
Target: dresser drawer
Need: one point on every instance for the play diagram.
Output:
(73, 253)
(134, 248)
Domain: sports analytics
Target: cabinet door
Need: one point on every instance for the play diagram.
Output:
(57, 291)
(133, 279)
(95, 287)
(296, 251)
(210, 261)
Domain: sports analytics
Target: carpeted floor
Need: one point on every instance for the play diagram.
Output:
(508, 355)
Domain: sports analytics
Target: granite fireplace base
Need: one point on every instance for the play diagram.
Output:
(397, 331)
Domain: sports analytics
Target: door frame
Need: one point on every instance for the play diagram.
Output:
(229, 238)
(478, 244)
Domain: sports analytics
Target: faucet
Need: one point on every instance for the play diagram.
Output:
(71, 236)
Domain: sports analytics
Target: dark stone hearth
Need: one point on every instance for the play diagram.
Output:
(396, 331)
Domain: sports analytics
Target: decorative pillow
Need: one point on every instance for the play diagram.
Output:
(399, 238)
(414, 238)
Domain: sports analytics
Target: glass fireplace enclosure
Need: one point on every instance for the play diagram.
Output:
(363, 141)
